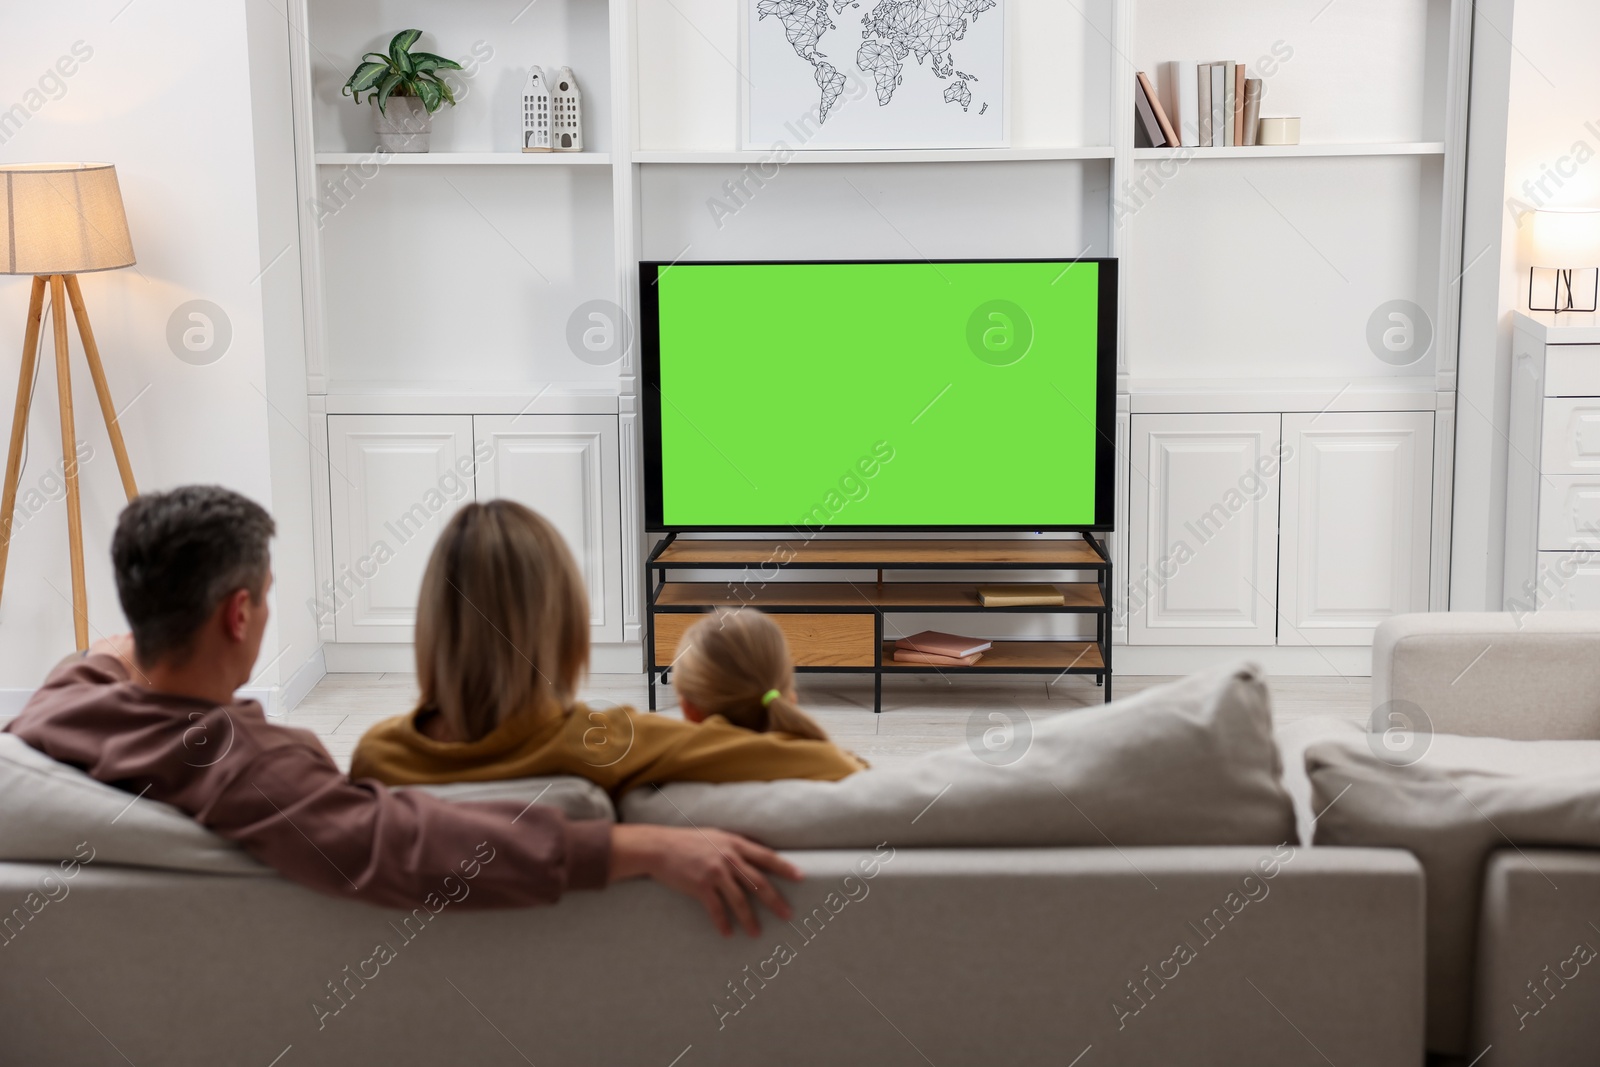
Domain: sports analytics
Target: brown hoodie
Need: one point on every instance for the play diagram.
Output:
(277, 792)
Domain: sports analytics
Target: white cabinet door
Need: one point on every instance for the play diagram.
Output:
(1203, 530)
(565, 467)
(395, 480)
(1357, 500)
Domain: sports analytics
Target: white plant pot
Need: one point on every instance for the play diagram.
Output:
(403, 125)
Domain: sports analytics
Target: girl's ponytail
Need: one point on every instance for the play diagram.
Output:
(785, 716)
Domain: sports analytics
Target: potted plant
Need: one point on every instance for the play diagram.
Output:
(406, 88)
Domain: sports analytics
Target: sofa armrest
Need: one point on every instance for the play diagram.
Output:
(1538, 966)
(1527, 677)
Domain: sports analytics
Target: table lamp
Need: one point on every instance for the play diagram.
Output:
(59, 220)
(1568, 240)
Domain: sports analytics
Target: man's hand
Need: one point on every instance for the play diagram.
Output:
(713, 866)
(119, 645)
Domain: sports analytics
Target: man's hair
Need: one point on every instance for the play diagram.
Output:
(180, 554)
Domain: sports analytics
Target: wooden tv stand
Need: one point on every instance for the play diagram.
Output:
(837, 626)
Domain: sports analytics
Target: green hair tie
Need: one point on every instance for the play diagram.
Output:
(769, 696)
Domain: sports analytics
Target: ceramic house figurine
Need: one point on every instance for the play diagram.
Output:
(566, 113)
(536, 112)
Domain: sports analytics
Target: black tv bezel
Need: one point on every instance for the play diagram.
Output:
(1105, 400)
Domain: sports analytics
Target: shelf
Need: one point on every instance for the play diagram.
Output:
(891, 596)
(900, 555)
(468, 159)
(1295, 151)
(887, 155)
(1076, 657)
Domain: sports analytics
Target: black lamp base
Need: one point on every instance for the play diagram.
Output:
(1560, 288)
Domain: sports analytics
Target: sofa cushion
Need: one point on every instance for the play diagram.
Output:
(1188, 763)
(577, 798)
(1452, 801)
(47, 809)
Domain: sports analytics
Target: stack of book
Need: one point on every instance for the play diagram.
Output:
(1213, 106)
(940, 650)
(1019, 596)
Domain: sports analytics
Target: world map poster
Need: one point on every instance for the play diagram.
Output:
(874, 74)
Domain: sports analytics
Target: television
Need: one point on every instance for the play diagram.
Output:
(885, 395)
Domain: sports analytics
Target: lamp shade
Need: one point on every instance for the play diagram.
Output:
(1566, 238)
(62, 218)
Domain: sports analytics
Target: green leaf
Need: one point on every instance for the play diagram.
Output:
(366, 76)
(386, 88)
(400, 49)
(427, 61)
(429, 92)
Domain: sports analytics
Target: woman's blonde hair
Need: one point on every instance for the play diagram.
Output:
(736, 664)
(503, 620)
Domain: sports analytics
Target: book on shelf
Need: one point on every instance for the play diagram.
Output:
(906, 655)
(1219, 105)
(1203, 103)
(1229, 73)
(1152, 100)
(1185, 100)
(1252, 108)
(1016, 596)
(1238, 105)
(1147, 131)
(935, 643)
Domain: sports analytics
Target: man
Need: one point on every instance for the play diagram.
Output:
(154, 713)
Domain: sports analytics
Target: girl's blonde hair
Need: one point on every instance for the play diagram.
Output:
(502, 622)
(731, 663)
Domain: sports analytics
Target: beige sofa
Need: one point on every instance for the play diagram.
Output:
(951, 957)
(1536, 969)
(1059, 956)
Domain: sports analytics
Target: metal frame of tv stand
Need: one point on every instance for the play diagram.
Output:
(656, 581)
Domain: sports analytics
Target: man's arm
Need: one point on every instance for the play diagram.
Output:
(405, 848)
(287, 803)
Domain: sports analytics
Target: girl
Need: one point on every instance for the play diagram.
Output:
(502, 642)
(735, 666)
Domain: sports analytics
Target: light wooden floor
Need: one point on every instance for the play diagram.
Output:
(920, 713)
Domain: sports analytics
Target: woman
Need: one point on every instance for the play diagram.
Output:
(502, 642)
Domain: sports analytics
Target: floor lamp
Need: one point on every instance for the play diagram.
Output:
(59, 220)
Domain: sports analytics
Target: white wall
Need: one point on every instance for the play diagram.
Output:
(1536, 110)
(165, 94)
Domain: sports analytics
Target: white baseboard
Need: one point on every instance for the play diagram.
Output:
(312, 671)
(352, 658)
(1349, 661)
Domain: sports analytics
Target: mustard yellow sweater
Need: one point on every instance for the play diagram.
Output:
(616, 748)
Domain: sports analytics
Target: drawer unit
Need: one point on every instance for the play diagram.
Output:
(1571, 436)
(1568, 581)
(814, 640)
(1572, 370)
(1569, 512)
(1553, 467)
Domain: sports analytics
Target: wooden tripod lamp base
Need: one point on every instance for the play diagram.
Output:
(58, 220)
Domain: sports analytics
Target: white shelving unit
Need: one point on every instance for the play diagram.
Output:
(1247, 283)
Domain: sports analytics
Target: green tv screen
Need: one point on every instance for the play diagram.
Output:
(908, 395)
